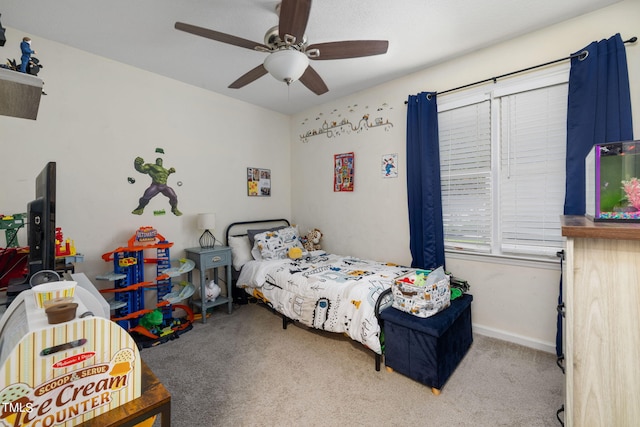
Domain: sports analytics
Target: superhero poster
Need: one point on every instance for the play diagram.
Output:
(343, 172)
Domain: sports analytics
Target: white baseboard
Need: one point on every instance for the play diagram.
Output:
(547, 347)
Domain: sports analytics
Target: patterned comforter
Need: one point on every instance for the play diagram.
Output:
(324, 291)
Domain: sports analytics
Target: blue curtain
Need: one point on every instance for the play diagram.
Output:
(423, 182)
(599, 111)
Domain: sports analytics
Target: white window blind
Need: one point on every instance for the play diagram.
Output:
(465, 172)
(532, 170)
(502, 155)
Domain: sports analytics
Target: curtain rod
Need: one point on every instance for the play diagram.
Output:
(583, 54)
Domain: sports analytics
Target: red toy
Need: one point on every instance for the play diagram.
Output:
(64, 248)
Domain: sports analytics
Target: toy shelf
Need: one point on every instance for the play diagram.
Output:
(146, 246)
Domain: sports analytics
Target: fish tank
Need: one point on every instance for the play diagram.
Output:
(612, 183)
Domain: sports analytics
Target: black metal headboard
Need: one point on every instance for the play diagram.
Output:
(240, 228)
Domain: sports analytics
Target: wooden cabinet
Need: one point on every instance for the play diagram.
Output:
(602, 330)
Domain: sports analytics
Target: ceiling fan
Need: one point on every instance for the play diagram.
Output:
(288, 49)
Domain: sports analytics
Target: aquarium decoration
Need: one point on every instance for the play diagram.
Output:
(612, 185)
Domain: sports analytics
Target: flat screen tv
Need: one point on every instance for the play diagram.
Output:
(41, 230)
(41, 225)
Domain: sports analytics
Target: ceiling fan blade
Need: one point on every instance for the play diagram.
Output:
(312, 80)
(294, 15)
(249, 77)
(349, 49)
(218, 36)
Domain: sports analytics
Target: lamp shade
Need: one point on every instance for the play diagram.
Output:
(286, 65)
(206, 221)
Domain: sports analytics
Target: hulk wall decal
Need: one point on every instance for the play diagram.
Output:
(159, 175)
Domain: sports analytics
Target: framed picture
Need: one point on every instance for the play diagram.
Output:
(343, 172)
(258, 182)
(389, 165)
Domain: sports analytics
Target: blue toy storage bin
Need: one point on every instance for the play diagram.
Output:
(428, 349)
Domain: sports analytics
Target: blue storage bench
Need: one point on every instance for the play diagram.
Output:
(428, 349)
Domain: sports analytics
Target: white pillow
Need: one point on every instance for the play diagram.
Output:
(240, 251)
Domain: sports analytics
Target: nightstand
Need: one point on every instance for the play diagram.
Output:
(211, 258)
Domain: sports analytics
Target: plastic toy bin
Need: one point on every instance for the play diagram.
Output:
(429, 349)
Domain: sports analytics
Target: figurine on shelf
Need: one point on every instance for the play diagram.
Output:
(25, 47)
(212, 291)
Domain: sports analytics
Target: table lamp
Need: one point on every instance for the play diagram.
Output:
(206, 222)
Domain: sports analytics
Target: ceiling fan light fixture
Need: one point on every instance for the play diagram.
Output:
(286, 65)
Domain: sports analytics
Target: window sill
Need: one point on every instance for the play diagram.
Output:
(533, 262)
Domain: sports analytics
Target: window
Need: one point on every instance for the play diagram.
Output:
(502, 154)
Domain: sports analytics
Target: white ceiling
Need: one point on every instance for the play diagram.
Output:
(141, 33)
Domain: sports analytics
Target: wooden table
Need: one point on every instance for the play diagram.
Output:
(154, 399)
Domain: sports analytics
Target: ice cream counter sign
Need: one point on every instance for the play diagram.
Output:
(60, 400)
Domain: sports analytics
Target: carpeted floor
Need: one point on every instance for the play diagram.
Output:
(243, 369)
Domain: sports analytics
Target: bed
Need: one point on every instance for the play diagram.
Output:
(330, 292)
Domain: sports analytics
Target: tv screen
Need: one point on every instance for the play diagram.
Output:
(41, 226)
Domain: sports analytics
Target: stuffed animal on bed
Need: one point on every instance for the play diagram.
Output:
(312, 240)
